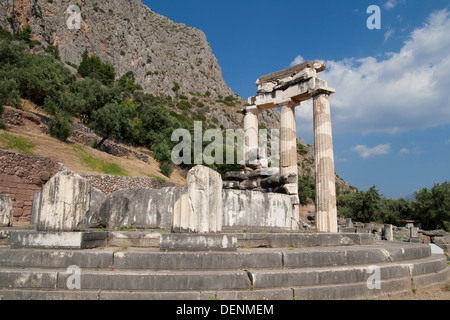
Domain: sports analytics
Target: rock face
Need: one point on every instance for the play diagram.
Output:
(64, 202)
(137, 208)
(252, 209)
(6, 211)
(200, 210)
(129, 36)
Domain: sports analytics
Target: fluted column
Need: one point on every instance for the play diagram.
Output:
(251, 134)
(288, 144)
(326, 211)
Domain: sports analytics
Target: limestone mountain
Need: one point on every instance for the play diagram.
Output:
(162, 54)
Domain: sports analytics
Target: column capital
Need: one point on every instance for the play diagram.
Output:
(321, 88)
(251, 109)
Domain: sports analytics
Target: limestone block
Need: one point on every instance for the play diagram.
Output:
(137, 208)
(267, 172)
(254, 209)
(64, 202)
(200, 210)
(236, 175)
(231, 184)
(271, 182)
(290, 188)
(248, 185)
(6, 211)
(414, 232)
(388, 232)
(288, 178)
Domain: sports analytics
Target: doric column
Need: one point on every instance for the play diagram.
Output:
(251, 134)
(288, 143)
(326, 211)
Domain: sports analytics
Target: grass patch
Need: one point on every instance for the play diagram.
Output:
(99, 165)
(156, 177)
(11, 142)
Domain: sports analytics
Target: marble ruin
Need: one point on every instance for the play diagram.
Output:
(286, 89)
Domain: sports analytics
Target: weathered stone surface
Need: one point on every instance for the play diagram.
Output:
(64, 202)
(6, 211)
(236, 175)
(288, 178)
(231, 185)
(434, 233)
(441, 240)
(58, 240)
(248, 185)
(243, 208)
(137, 208)
(388, 232)
(271, 182)
(200, 209)
(414, 232)
(198, 242)
(290, 189)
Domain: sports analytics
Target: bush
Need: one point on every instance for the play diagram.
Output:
(61, 126)
(24, 34)
(166, 168)
(9, 93)
(94, 67)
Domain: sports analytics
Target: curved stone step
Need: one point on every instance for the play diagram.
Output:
(262, 279)
(334, 292)
(153, 259)
(126, 280)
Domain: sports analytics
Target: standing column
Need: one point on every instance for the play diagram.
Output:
(251, 134)
(326, 211)
(288, 145)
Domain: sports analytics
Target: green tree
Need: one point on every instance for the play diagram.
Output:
(363, 206)
(111, 121)
(24, 34)
(306, 189)
(61, 126)
(9, 93)
(432, 207)
(93, 67)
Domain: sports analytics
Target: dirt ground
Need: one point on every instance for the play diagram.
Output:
(63, 152)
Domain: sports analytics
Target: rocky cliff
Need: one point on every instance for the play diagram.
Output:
(129, 36)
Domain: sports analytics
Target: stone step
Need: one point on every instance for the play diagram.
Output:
(264, 258)
(90, 279)
(322, 283)
(152, 239)
(264, 279)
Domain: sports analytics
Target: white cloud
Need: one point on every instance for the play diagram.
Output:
(405, 151)
(391, 4)
(388, 33)
(408, 90)
(366, 152)
(299, 59)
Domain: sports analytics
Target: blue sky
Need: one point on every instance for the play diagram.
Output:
(391, 110)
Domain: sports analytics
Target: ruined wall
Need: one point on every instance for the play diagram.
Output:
(21, 176)
(109, 184)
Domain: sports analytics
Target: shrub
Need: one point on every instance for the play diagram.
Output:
(166, 168)
(61, 126)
